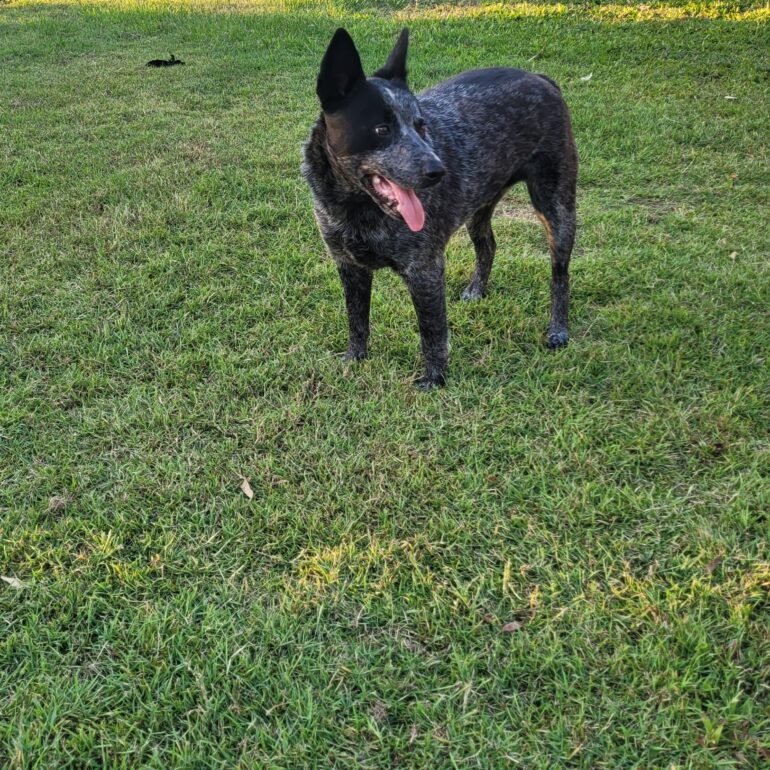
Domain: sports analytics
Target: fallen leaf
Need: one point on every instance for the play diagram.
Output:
(489, 618)
(509, 628)
(731, 98)
(733, 255)
(379, 712)
(713, 564)
(57, 504)
(13, 582)
(587, 77)
(246, 489)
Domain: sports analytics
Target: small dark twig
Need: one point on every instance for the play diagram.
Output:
(164, 62)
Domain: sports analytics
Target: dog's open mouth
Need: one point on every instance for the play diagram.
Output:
(397, 199)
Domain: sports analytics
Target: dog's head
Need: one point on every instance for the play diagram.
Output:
(375, 129)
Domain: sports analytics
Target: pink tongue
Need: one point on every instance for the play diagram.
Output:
(409, 207)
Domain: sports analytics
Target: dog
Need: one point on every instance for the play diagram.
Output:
(394, 174)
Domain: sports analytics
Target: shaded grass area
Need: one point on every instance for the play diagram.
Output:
(169, 324)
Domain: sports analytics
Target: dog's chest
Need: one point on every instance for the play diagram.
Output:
(357, 241)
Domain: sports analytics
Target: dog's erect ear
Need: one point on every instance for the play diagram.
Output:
(341, 71)
(395, 66)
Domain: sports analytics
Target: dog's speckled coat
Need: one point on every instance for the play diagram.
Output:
(488, 128)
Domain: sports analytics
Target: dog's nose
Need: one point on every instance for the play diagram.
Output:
(432, 172)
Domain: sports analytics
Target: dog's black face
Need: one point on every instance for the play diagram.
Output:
(375, 131)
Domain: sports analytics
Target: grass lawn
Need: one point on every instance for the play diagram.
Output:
(169, 326)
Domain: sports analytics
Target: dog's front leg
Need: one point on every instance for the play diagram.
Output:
(426, 285)
(357, 283)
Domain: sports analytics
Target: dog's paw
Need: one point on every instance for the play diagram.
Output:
(428, 382)
(354, 355)
(557, 339)
(471, 292)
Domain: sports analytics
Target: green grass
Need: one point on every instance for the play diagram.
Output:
(169, 325)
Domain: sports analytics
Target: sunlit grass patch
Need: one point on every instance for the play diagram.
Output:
(362, 571)
(601, 11)
(605, 12)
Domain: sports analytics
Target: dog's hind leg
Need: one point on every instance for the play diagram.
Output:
(480, 230)
(552, 191)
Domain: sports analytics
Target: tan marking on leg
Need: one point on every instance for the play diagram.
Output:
(548, 231)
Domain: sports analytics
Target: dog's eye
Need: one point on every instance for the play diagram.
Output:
(382, 130)
(420, 127)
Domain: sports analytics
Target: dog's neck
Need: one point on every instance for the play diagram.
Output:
(329, 171)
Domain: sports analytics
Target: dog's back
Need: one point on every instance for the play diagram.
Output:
(488, 127)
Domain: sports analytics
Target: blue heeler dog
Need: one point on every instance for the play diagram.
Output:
(394, 174)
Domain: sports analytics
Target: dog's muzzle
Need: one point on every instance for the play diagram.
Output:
(432, 173)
